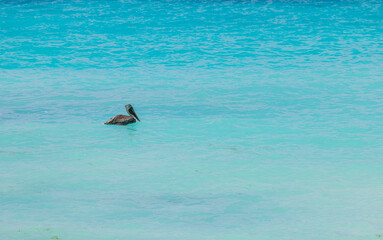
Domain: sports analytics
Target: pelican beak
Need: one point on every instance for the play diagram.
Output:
(131, 111)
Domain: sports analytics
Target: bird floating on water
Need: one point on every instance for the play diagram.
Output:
(123, 119)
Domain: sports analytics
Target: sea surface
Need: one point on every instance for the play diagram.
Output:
(260, 120)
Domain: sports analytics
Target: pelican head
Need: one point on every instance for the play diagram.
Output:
(129, 108)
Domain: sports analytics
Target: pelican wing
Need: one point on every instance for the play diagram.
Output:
(121, 120)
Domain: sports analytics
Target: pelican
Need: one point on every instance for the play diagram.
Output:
(123, 119)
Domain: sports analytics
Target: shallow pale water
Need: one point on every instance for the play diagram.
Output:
(260, 120)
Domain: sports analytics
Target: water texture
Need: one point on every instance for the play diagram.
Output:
(261, 120)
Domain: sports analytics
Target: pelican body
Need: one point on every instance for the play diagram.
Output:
(124, 119)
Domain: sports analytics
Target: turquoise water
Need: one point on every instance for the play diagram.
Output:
(260, 120)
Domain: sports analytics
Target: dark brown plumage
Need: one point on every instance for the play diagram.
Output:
(121, 120)
(124, 119)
